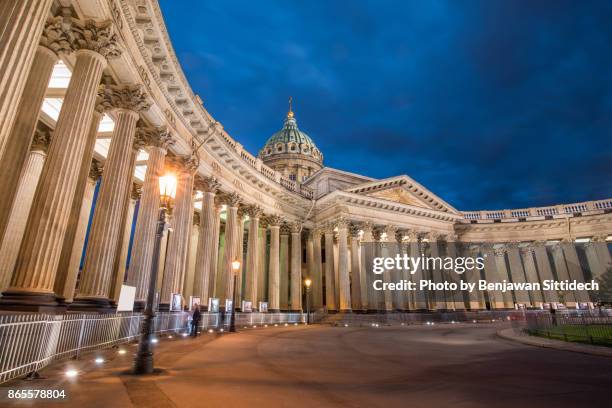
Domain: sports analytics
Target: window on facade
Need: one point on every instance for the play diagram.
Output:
(292, 177)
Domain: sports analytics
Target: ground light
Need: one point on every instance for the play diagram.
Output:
(169, 337)
(71, 373)
(210, 330)
(184, 335)
(154, 341)
(99, 360)
(122, 351)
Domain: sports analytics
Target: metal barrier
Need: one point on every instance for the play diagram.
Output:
(29, 342)
(593, 328)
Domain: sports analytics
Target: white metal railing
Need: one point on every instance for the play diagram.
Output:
(29, 342)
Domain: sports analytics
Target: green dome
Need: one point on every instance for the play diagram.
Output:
(290, 140)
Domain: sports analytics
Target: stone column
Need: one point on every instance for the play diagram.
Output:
(455, 298)
(127, 220)
(176, 262)
(496, 299)
(106, 227)
(309, 266)
(317, 276)
(438, 296)
(574, 269)
(78, 220)
(284, 267)
(262, 277)
(343, 266)
(33, 280)
(206, 244)
(16, 152)
(296, 267)
(544, 270)
(531, 273)
(72, 253)
(194, 236)
(330, 275)
(158, 141)
(598, 256)
(503, 273)
(21, 207)
(567, 297)
(214, 260)
(252, 268)
(476, 297)
(356, 273)
(240, 255)
(231, 238)
(367, 256)
(274, 269)
(22, 24)
(388, 249)
(518, 273)
(420, 296)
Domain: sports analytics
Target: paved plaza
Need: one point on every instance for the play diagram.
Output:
(421, 366)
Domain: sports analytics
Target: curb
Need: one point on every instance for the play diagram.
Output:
(510, 334)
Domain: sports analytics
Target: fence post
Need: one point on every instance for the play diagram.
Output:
(78, 350)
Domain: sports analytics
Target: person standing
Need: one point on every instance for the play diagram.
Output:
(195, 320)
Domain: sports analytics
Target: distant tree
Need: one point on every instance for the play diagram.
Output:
(604, 294)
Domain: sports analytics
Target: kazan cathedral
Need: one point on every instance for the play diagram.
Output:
(95, 108)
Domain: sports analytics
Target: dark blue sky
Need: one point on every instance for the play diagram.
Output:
(489, 104)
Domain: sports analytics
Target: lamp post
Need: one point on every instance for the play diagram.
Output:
(143, 363)
(307, 283)
(235, 267)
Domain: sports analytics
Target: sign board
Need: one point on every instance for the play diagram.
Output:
(247, 306)
(176, 303)
(213, 305)
(126, 298)
(263, 307)
(194, 300)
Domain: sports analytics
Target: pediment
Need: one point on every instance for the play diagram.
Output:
(402, 190)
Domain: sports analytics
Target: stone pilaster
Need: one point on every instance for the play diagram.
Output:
(274, 268)
(22, 205)
(148, 211)
(176, 261)
(33, 280)
(206, 244)
(16, 152)
(330, 275)
(107, 226)
(252, 268)
(22, 24)
(344, 281)
(296, 267)
(232, 202)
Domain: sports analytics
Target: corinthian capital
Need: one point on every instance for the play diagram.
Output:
(130, 97)
(232, 199)
(207, 184)
(157, 137)
(274, 220)
(96, 36)
(57, 35)
(254, 211)
(42, 138)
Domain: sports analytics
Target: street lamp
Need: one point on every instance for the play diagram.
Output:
(307, 283)
(143, 364)
(235, 267)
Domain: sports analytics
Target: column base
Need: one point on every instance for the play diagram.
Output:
(163, 307)
(36, 302)
(346, 311)
(274, 311)
(92, 305)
